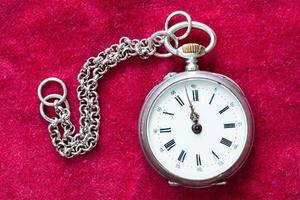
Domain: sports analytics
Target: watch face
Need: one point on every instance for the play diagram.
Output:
(196, 129)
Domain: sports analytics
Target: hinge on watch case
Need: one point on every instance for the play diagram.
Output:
(173, 183)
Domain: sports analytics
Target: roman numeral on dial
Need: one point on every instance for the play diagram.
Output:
(179, 100)
(226, 142)
(230, 125)
(167, 113)
(211, 99)
(215, 155)
(198, 159)
(224, 109)
(169, 145)
(195, 95)
(165, 130)
(181, 156)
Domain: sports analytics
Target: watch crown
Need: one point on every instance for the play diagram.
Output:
(191, 48)
(191, 51)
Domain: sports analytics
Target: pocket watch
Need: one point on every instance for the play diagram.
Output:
(196, 127)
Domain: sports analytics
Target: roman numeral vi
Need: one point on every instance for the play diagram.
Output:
(198, 159)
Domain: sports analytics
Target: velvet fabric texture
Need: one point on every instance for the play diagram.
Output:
(258, 47)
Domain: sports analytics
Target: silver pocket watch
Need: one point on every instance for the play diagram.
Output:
(195, 127)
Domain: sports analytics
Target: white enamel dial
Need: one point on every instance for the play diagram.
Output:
(176, 146)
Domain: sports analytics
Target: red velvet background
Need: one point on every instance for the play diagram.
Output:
(258, 46)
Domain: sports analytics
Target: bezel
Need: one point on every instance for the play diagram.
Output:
(160, 88)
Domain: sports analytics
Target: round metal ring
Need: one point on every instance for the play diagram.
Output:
(53, 79)
(51, 96)
(167, 35)
(189, 22)
(198, 25)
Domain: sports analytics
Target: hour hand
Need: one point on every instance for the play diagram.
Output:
(194, 116)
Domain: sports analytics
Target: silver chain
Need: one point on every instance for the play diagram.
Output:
(70, 144)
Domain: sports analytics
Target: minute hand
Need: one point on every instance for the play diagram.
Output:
(194, 116)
